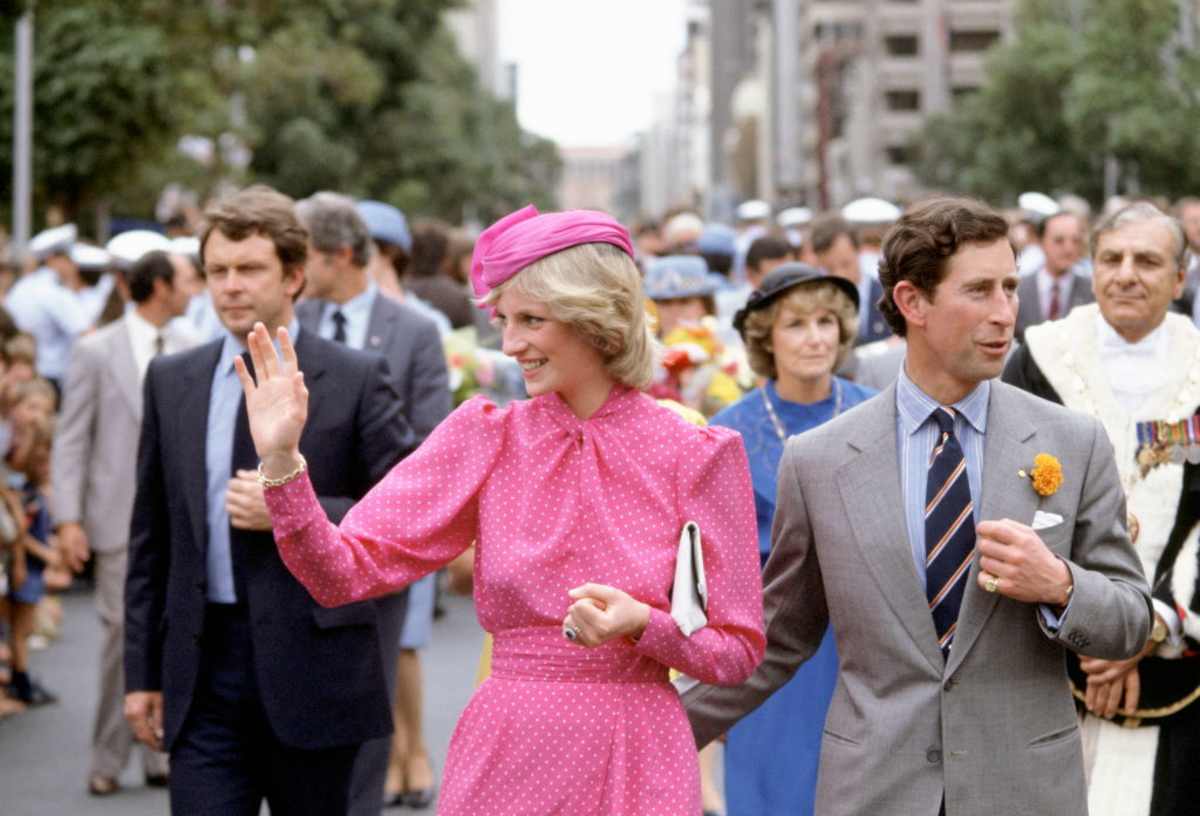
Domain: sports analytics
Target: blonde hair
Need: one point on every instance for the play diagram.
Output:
(20, 348)
(596, 289)
(805, 298)
(37, 387)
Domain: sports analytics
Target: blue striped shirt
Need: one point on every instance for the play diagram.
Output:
(917, 434)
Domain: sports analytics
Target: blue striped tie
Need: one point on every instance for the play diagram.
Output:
(949, 530)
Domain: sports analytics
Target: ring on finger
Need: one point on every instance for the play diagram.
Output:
(991, 584)
(571, 633)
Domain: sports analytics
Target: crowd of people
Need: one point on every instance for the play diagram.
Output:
(261, 436)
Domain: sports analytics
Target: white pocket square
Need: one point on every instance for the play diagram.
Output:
(1042, 520)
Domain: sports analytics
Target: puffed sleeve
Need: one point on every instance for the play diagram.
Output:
(714, 491)
(416, 520)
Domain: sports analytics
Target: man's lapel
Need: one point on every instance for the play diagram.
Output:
(1030, 305)
(193, 401)
(380, 326)
(311, 359)
(125, 370)
(308, 313)
(1081, 290)
(870, 486)
(1009, 447)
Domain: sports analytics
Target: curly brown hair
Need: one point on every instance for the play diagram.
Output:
(260, 210)
(918, 246)
(804, 299)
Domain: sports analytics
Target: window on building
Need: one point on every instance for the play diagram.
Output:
(837, 32)
(903, 100)
(973, 40)
(898, 154)
(901, 45)
(963, 91)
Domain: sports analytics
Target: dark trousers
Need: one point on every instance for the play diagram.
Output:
(226, 759)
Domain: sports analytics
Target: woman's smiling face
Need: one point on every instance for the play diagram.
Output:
(552, 355)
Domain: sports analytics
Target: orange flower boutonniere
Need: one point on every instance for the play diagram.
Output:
(1046, 474)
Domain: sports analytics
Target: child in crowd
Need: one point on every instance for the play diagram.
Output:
(28, 461)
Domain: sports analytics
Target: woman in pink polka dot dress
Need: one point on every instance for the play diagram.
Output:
(576, 498)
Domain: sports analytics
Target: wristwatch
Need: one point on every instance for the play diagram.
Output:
(1159, 632)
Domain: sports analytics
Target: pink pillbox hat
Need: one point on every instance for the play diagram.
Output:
(520, 238)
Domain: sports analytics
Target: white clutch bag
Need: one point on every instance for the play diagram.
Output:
(689, 594)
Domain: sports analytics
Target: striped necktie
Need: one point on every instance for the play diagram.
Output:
(949, 530)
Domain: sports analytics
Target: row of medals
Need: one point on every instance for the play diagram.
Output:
(1160, 442)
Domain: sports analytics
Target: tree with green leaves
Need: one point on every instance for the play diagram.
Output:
(400, 119)
(1090, 97)
(370, 97)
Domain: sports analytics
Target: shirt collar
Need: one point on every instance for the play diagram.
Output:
(1049, 280)
(915, 406)
(1113, 343)
(141, 330)
(232, 347)
(358, 306)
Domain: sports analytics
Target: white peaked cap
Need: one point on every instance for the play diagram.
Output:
(86, 256)
(129, 247)
(794, 217)
(53, 241)
(753, 210)
(871, 211)
(1038, 204)
(186, 245)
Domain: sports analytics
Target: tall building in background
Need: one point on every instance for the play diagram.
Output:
(733, 25)
(672, 157)
(814, 101)
(591, 178)
(476, 28)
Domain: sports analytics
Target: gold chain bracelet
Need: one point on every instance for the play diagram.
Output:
(265, 481)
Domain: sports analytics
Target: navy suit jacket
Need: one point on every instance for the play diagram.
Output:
(872, 325)
(412, 346)
(318, 671)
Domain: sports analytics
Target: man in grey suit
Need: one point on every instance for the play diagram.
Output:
(1052, 291)
(344, 305)
(94, 478)
(955, 564)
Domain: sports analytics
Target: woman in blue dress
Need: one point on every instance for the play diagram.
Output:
(798, 326)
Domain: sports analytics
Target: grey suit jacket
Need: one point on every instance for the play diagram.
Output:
(880, 370)
(412, 346)
(1029, 309)
(994, 729)
(94, 459)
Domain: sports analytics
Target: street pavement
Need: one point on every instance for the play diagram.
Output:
(44, 752)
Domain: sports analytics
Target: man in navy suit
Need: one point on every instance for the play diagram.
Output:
(343, 304)
(835, 244)
(256, 692)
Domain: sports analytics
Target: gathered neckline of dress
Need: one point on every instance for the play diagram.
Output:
(619, 399)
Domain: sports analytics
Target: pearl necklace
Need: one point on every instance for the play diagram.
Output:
(780, 431)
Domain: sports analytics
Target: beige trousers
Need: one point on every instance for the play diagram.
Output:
(112, 739)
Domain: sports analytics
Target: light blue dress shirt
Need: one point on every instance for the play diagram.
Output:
(52, 314)
(358, 314)
(916, 435)
(224, 399)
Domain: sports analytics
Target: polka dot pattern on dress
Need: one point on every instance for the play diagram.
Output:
(555, 502)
